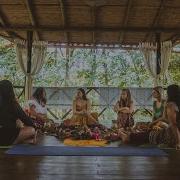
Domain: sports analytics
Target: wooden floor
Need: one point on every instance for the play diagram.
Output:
(88, 168)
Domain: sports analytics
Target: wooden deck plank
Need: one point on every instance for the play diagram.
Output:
(87, 168)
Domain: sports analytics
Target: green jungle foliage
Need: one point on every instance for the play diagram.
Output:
(87, 67)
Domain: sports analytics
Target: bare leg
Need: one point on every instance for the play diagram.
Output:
(25, 134)
(178, 139)
(31, 140)
(91, 119)
(124, 136)
(177, 135)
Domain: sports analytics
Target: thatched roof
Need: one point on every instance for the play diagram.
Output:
(126, 22)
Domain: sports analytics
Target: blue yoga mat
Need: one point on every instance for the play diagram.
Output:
(83, 151)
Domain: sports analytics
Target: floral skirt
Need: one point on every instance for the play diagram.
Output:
(125, 120)
(82, 120)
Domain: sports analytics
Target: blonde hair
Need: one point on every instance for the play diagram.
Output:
(158, 89)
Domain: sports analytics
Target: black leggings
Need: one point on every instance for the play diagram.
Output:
(8, 135)
(139, 138)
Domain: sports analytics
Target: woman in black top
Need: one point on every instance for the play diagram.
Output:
(10, 112)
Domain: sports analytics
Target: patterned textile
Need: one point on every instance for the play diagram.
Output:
(162, 136)
(71, 142)
(81, 120)
(125, 120)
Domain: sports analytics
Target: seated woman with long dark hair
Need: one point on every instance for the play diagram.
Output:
(124, 109)
(82, 111)
(158, 103)
(158, 106)
(10, 112)
(36, 106)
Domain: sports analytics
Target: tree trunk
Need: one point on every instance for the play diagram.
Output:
(106, 79)
(67, 66)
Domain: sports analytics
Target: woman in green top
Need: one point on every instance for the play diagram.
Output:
(158, 104)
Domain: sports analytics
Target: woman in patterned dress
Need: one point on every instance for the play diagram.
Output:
(124, 109)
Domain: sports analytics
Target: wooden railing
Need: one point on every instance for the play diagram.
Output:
(102, 97)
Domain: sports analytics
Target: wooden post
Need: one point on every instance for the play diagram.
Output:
(28, 81)
(29, 50)
(158, 53)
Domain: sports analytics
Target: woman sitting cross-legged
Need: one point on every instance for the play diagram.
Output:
(10, 112)
(158, 106)
(124, 109)
(36, 107)
(161, 132)
(82, 111)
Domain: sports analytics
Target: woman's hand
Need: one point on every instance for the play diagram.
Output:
(19, 124)
(124, 110)
(85, 113)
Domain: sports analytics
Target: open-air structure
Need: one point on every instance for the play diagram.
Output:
(91, 22)
(129, 24)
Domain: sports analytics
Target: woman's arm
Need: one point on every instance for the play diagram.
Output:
(171, 113)
(162, 118)
(22, 116)
(116, 107)
(33, 112)
(129, 110)
(156, 121)
(122, 109)
(88, 107)
(153, 111)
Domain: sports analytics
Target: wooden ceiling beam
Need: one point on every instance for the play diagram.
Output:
(156, 19)
(122, 47)
(174, 38)
(32, 17)
(125, 20)
(64, 18)
(4, 24)
(90, 29)
(6, 37)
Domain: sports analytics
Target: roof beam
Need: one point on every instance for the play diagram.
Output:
(174, 38)
(4, 24)
(64, 19)
(156, 19)
(90, 29)
(125, 20)
(103, 46)
(30, 9)
(6, 37)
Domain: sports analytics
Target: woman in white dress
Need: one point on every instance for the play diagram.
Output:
(36, 106)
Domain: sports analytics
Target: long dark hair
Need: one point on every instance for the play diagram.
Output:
(38, 95)
(128, 101)
(7, 96)
(173, 93)
(83, 92)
